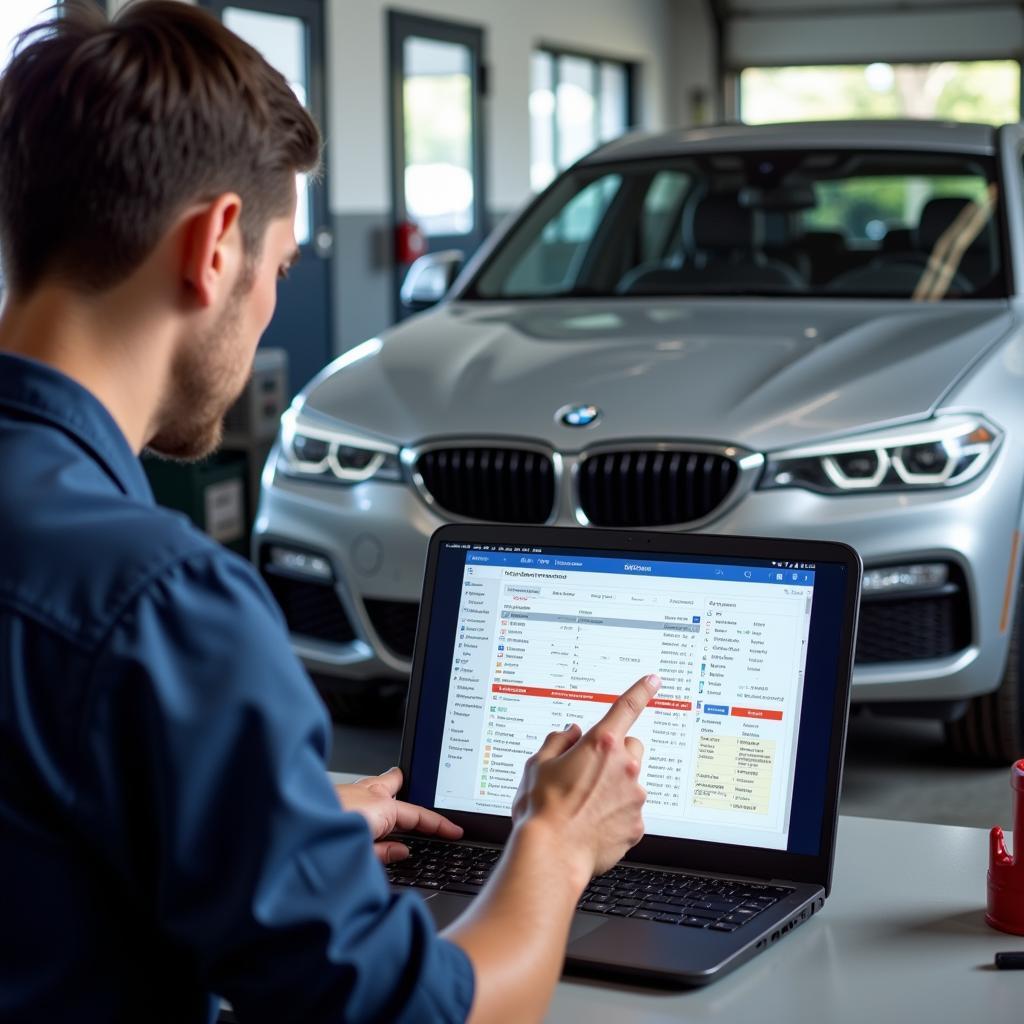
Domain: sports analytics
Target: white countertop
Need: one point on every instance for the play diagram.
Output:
(902, 938)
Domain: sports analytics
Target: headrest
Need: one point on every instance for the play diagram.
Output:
(936, 217)
(824, 241)
(719, 222)
(898, 240)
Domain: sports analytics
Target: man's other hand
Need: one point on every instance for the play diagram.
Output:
(374, 799)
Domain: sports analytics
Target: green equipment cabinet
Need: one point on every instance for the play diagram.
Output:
(212, 493)
(220, 494)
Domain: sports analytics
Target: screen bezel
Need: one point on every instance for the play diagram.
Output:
(662, 850)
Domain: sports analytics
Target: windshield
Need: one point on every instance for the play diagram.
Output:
(805, 223)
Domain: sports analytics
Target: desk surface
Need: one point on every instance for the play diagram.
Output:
(902, 938)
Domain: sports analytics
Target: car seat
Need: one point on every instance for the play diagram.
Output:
(721, 254)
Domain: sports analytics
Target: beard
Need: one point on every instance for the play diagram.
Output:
(205, 381)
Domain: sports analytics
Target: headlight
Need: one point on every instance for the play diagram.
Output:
(945, 452)
(316, 453)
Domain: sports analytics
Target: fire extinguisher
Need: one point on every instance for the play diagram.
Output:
(410, 243)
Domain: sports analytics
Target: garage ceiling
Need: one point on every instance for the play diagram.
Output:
(780, 32)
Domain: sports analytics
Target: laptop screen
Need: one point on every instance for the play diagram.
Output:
(526, 640)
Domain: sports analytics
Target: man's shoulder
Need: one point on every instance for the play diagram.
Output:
(77, 562)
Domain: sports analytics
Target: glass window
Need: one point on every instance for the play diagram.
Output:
(576, 103)
(438, 103)
(822, 223)
(542, 119)
(282, 41)
(987, 92)
(576, 109)
(868, 210)
(549, 260)
(662, 212)
(614, 105)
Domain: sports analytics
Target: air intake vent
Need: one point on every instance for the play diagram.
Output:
(496, 485)
(395, 623)
(653, 488)
(915, 628)
(311, 609)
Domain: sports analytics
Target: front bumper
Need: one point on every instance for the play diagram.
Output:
(375, 535)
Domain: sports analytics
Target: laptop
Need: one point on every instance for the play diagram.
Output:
(523, 630)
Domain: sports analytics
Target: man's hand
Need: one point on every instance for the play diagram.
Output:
(586, 785)
(577, 812)
(374, 799)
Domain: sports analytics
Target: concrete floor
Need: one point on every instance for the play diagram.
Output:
(894, 769)
(899, 769)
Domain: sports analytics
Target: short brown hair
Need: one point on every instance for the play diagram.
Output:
(110, 129)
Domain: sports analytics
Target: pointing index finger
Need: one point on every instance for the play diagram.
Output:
(622, 715)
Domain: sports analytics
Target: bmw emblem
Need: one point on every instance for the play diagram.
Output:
(578, 415)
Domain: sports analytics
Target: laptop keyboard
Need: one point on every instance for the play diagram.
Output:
(689, 900)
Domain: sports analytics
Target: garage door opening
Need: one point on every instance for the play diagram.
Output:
(985, 91)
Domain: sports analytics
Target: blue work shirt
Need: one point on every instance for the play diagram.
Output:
(168, 831)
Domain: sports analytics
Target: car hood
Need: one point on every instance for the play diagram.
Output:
(761, 374)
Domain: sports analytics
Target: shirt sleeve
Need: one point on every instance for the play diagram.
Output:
(205, 749)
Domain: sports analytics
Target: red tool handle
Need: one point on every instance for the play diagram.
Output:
(1006, 871)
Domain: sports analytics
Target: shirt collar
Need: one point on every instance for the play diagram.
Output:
(40, 391)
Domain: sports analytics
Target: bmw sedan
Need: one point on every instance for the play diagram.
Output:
(808, 330)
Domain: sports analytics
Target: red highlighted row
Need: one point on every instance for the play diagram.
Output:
(665, 703)
(774, 716)
(597, 698)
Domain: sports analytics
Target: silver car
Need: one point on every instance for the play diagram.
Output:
(806, 330)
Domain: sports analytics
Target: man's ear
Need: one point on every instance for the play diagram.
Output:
(212, 248)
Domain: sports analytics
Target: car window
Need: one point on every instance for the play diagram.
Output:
(661, 212)
(865, 210)
(551, 260)
(832, 223)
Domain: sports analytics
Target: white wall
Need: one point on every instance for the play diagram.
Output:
(358, 138)
(694, 42)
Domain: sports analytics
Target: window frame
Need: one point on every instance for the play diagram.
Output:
(632, 71)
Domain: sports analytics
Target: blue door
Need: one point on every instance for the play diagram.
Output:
(438, 86)
(290, 35)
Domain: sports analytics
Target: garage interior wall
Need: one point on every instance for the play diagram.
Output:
(360, 187)
(358, 132)
(675, 44)
(694, 82)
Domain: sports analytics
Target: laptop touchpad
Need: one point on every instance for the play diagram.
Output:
(584, 924)
(444, 907)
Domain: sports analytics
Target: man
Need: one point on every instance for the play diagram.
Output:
(167, 829)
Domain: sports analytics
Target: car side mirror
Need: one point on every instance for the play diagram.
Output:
(429, 278)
